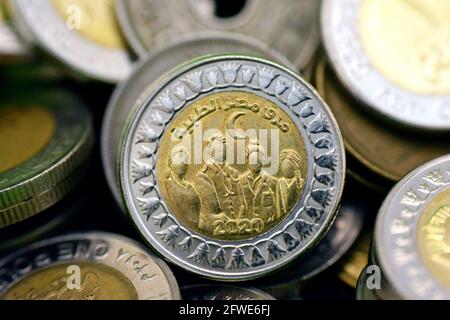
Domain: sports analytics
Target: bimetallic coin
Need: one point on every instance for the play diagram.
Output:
(46, 136)
(139, 84)
(389, 154)
(223, 293)
(289, 26)
(109, 267)
(393, 56)
(11, 47)
(254, 192)
(82, 34)
(412, 233)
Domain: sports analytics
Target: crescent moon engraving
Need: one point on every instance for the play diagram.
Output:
(231, 126)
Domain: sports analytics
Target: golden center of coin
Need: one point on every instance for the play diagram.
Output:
(434, 237)
(95, 20)
(24, 132)
(97, 282)
(408, 41)
(232, 165)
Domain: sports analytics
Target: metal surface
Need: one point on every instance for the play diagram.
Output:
(111, 267)
(292, 237)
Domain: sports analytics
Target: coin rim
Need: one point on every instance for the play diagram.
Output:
(221, 274)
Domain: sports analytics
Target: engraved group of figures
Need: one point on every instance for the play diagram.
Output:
(220, 201)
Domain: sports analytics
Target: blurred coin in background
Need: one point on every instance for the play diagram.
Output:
(207, 216)
(223, 293)
(11, 47)
(82, 34)
(336, 243)
(86, 266)
(386, 154)
(131, 92)
(412, 238)
(54, 220)
(292, 29)
(355, 261)
(46, 137)
(393, 56)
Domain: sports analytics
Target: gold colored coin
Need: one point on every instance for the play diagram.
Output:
(236, 199)
(355, 262)
(95, 20)
(408, 41)
(434, 237)
(98, 282)
(387, 152)
(24, 132)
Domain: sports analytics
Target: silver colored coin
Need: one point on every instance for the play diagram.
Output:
(139, 84)
(398, 229)
(100, 256)
(291, 238)
(289, 26)
(11, 47)
(359, 75)
(41, 23)
(223, 293)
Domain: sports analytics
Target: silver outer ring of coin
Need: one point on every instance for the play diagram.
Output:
(95, 247)
(216, 292)
(148, 70)
(246, 259)
(40, 20)
(283, 31)
(408, 278)
(10, 44)
(336, 243)
(341, 38)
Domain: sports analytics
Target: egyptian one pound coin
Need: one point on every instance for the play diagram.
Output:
(233, 167)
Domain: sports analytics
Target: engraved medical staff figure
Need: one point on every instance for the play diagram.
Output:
(292, 181)
(260, 190)
(218, 187)
(182, 193)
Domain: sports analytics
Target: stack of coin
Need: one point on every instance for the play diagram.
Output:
(389, 93)
(412, 237)
(226, 160)
(46, 137)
